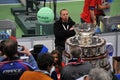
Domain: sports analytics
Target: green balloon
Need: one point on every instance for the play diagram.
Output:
(45, 15)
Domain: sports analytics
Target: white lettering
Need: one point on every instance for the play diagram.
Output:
(12, 71)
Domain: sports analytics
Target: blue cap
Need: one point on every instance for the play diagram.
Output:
(43, 50)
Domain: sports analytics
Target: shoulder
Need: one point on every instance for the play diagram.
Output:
(36, 74)
(67, 68)
(2, 58)
(15, 64)
(57, 22)
(88, 64)
(27, 66)
(28, 72)
(71, 21)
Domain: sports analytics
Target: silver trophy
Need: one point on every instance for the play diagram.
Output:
(93, 47)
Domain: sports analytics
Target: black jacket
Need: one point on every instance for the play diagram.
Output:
(61, 34)
(75, 70)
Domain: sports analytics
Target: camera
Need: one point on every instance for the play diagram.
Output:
(20, 48)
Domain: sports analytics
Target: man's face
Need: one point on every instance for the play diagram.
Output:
(64, 15)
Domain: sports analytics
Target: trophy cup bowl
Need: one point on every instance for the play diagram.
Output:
(84, 29)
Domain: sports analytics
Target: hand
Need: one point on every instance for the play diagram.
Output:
(25, 51)
(72, 28)
(94, 23)
(4, 56)
(107, 6)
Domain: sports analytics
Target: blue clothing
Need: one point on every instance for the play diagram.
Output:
(12, 70)
(31, 61)
(1, 58)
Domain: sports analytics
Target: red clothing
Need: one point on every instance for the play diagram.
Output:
(63, 64)
(97, 11)
(85, 15)
(58, 70)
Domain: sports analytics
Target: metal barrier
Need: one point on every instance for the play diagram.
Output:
(8, 27)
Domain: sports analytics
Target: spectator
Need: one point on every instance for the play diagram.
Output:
(23, 54)
(92, 10)
(76, 67)
(12, 67)
(102, 5)
(63, 29)
(99, 74)
(58, 64)
(88, 14)
(38, 49)
(45, 63)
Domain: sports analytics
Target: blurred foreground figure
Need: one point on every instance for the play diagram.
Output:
(45, 63)
(12, 67)
(98, 74)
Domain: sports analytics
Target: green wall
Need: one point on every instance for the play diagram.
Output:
(75, 8)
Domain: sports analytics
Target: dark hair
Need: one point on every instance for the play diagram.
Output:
(59, 56)
(9, 48)
(44, 61)
(75, 52)
(59, 62)
(1, 46)
(36, 50)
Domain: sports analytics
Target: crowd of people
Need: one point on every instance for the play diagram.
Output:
(40, 64)
(46, 65)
